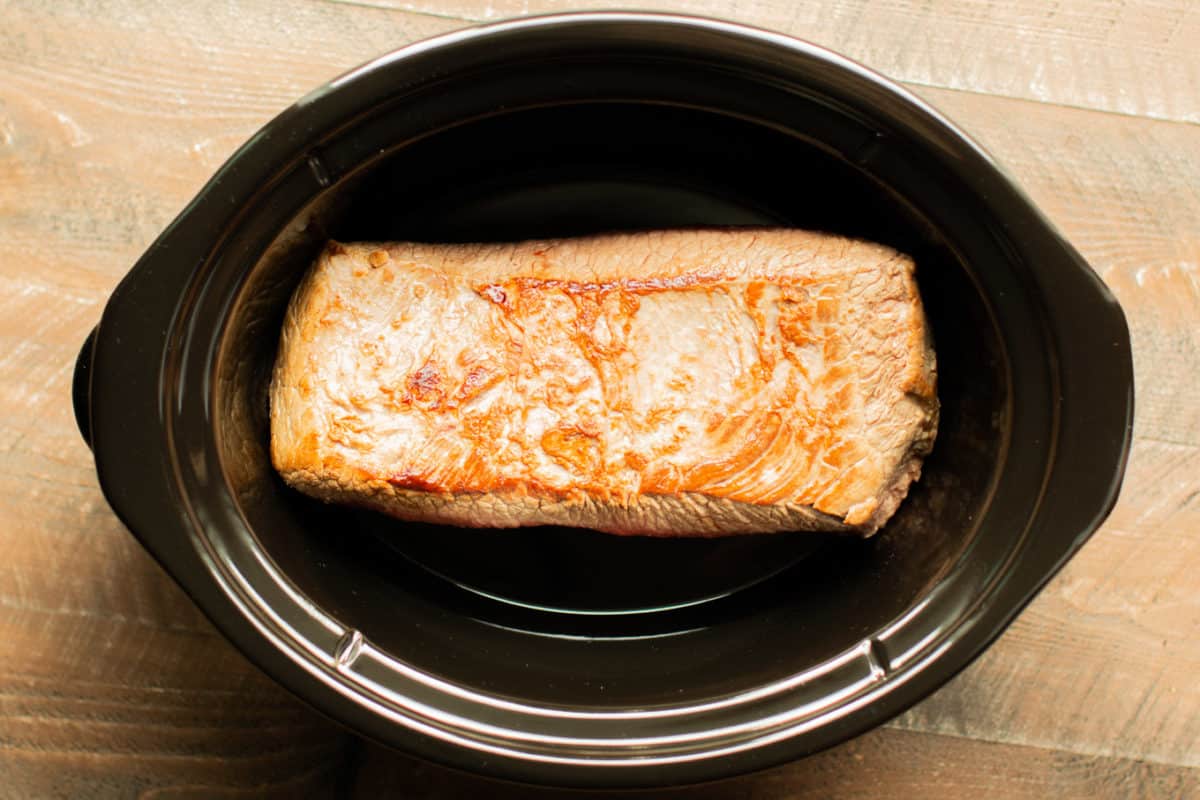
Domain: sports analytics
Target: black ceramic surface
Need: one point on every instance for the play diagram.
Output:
(557, 656)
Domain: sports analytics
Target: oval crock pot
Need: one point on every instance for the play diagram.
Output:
(568, 657)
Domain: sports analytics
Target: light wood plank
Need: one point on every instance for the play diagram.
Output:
(1136, 58)
(882, 765)
(115, 113)
(93, 705)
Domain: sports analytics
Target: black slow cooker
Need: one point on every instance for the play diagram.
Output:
(569, 657)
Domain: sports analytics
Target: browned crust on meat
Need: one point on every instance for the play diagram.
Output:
(826, 415)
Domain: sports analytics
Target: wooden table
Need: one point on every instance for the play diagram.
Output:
(114, 112)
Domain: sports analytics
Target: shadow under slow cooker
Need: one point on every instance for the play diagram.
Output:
(569, 617)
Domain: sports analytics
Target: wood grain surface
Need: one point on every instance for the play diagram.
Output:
(114, 112)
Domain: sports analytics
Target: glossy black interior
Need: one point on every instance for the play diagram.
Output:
(580, 619)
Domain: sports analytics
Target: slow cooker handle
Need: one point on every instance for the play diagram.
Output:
(81, 387)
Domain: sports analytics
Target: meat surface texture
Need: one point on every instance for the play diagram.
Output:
(668, 383)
